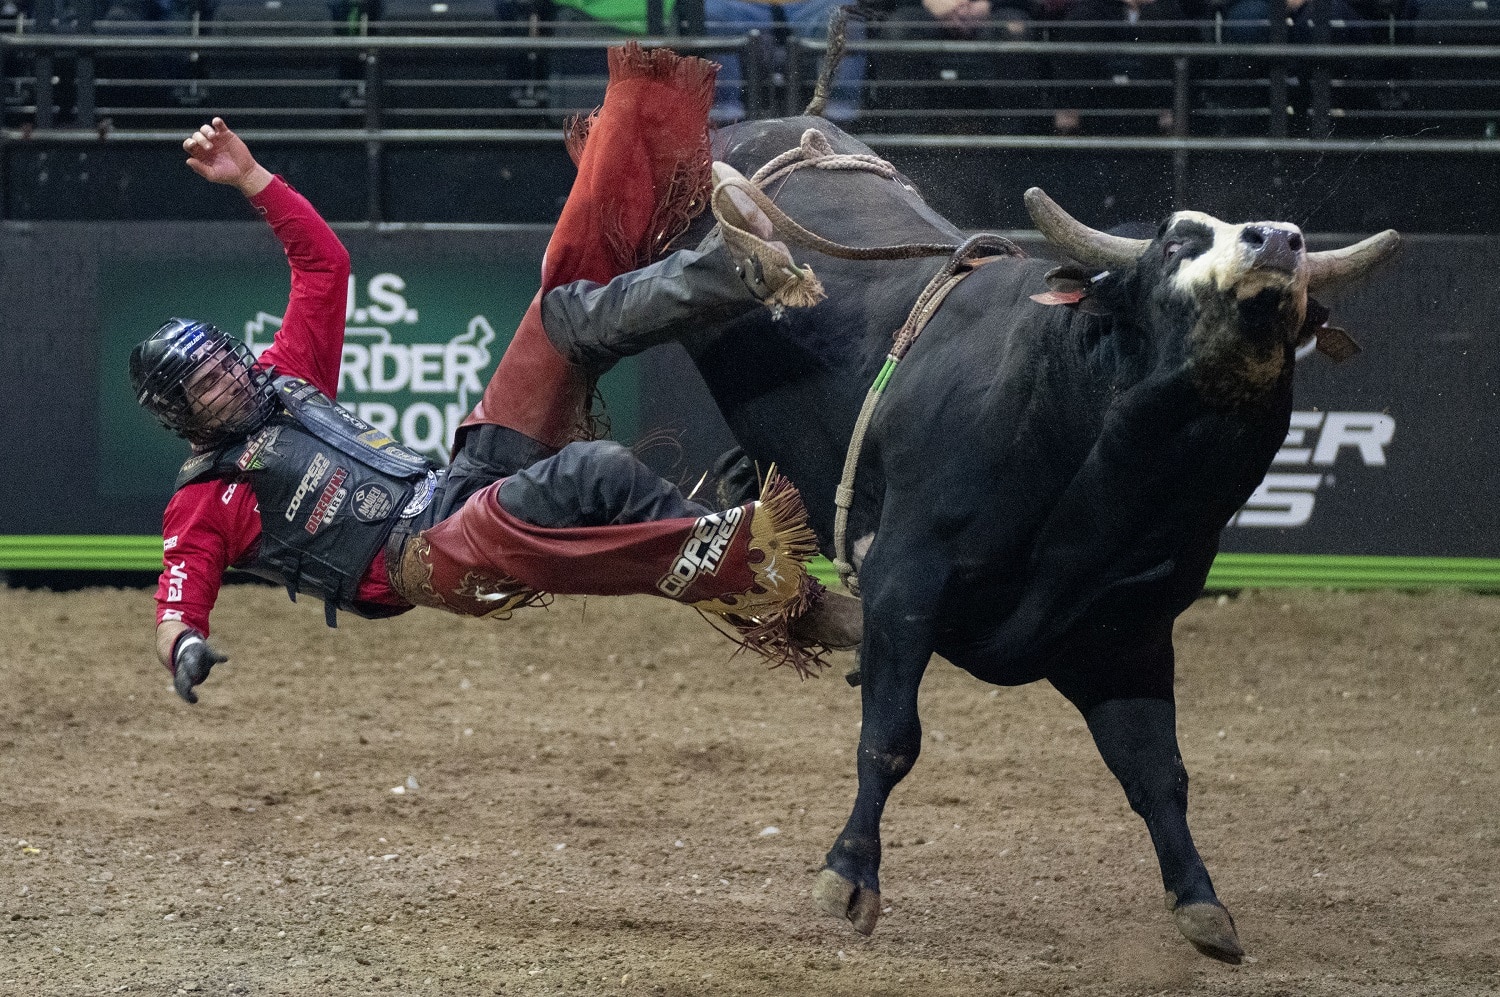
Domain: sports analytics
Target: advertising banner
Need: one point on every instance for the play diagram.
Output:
(1388, 475)
(420, 343)
(1394, 453)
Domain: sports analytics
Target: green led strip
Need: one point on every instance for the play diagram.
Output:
(1355, 571)
(143, 553)
(90, 553)
(1343, 571)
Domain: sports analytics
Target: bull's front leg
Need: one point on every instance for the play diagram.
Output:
(1138, 739)
(893, 657)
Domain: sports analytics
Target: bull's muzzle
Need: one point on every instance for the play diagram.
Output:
(1272, 246)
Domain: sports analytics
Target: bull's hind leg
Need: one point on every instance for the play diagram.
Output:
(1138, 739)
(893, 658)
(1123, 688)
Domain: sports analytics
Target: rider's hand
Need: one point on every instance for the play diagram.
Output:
(217, 154)
(191, 661)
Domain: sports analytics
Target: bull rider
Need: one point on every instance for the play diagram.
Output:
(286, 484)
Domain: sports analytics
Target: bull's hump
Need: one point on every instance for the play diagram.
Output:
(755, 143)
(852, 207)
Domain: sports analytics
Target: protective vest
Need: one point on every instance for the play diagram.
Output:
(330, 488)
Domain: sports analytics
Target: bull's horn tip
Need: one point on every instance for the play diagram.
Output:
(1387, 243)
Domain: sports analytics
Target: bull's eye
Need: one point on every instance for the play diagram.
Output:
(1171, 249)
(1295, 241)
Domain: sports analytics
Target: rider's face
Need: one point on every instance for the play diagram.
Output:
(219, 391)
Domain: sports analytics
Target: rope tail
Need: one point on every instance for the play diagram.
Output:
(837, 34)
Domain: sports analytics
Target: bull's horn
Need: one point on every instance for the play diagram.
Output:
(1086, 245)
(1334, 269)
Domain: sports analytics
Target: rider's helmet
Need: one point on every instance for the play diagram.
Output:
(200, 383)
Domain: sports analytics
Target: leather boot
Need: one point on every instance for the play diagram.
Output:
(593, 326)
(737, 269)
(835, 621)
(763, 263)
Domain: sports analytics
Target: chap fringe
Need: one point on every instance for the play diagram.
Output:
(768, 633)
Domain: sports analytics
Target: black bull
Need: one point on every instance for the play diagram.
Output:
(1041, 490)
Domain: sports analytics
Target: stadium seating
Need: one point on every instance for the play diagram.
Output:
(143, 87)
(1456, 99)
(1101, 93)
(261, 84)
(957, 92)
(430, 88)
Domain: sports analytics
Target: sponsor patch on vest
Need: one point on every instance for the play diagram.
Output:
(329, 502)
(402, 453)
(422, 497)
(372, 503)
(352, 420)
(310, 480)
(196, 465)
(258, 449)
(300, 391)
(375, 438)
(702, 552)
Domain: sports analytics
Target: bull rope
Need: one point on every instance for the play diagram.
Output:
(815, 152)
(958, 267)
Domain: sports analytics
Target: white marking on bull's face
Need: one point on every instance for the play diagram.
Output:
(1247, 289)
(1233, 258)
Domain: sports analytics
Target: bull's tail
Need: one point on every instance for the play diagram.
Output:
(837, 30)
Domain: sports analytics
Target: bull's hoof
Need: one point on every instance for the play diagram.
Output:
(841, 898)
(1211, 930)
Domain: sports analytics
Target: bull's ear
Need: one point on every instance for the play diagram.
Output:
(1074, 287)
(1334, 343)
(1065, 279)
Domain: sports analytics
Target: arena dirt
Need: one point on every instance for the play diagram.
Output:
(594, 799)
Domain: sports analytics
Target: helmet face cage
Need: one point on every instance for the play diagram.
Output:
(201, 384)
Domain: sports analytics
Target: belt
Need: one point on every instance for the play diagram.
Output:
(408, 575)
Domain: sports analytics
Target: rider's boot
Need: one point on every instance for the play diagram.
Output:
(737, 269)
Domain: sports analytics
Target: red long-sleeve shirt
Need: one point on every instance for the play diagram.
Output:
(210, 525)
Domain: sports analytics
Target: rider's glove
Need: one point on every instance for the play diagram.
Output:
(192, 658)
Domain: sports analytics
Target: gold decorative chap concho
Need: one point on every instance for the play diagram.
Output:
(497, 596)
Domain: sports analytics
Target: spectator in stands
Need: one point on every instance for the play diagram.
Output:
(935, 80)
(1113, 21)
(578, 75)
(1246, 22)
(803, 18)
(610, 18)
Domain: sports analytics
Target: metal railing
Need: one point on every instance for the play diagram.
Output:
(347, 78)
(371, 88)
(360, 95)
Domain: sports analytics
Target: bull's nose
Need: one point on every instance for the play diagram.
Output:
(1274, 247)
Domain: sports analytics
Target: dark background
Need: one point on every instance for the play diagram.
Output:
(522, 182)
(1426, 322)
